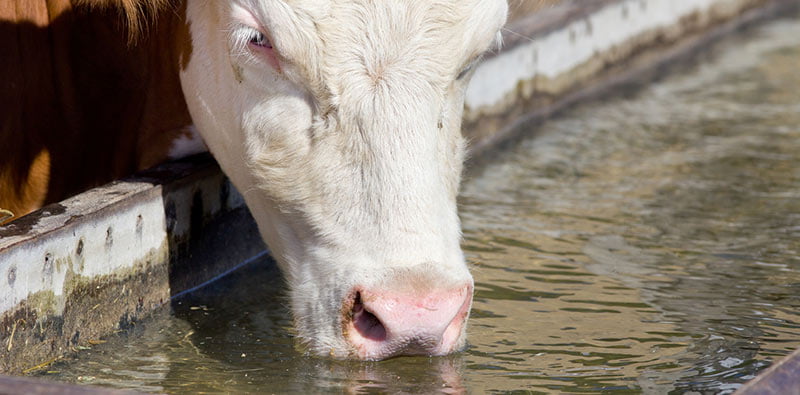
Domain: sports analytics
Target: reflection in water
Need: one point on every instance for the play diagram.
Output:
(235, 337)
(659, 233)
(646, 243)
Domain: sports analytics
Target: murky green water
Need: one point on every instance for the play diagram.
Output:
(646, 243)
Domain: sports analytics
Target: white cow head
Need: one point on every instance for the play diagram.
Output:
(339, 121)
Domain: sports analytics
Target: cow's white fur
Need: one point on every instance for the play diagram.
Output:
(349, 155)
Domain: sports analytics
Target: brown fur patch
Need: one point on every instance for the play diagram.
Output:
(138, 14)
(79, 107)
(27, 195)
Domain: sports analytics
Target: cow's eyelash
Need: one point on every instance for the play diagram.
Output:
(253, 46)
(242, 36)
(260, 40)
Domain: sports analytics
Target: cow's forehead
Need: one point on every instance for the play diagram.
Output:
(462, 23)
(452, 8)
(421, 17)
(490, 12)
(449, 32)
(332, 44)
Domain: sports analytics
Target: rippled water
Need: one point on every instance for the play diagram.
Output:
(646, 243)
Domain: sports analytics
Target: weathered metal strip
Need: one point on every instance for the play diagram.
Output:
(782, 378)
(30, 386)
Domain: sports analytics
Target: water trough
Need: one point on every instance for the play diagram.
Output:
(74, 272)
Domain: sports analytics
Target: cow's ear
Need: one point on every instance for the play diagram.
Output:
(138, 14)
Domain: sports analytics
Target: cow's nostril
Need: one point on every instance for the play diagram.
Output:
(366, 323)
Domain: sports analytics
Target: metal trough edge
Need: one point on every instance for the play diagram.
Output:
(98, 262)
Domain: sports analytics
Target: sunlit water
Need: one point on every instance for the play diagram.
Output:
(649, 242)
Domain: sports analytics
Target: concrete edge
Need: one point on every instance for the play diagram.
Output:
(100, 261)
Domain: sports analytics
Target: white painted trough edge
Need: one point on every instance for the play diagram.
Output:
(560, 51)
(560, 55)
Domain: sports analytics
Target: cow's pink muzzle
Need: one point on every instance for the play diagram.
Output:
(380, 324)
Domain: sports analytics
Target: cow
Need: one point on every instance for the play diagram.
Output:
(338, 121)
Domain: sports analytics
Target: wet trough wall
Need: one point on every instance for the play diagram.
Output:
(99, 262)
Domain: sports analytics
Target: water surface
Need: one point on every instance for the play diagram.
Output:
(645, 243)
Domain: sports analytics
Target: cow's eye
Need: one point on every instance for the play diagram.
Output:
(259, 39)
(255, 44)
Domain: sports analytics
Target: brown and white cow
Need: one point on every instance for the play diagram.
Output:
(338, 120)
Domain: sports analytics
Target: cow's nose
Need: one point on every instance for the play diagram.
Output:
(380, 324)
